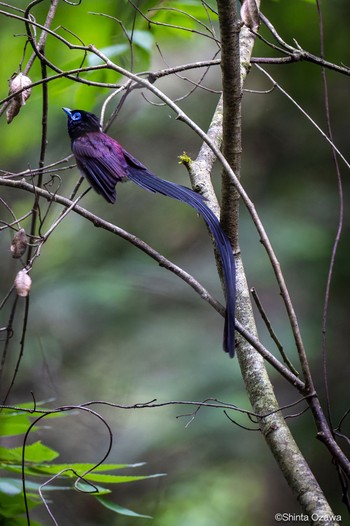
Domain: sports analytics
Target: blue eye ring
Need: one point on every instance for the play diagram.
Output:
(76, 116)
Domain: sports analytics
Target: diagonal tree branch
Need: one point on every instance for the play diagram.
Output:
(161, 260)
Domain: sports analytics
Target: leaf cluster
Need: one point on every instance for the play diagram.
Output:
(41, 474)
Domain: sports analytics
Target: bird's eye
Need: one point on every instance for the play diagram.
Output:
(76, 116)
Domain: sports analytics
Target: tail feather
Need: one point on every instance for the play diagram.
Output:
(146, 180)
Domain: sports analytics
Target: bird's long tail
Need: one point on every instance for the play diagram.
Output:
(142, 177)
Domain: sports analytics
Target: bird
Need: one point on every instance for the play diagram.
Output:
(104, 163)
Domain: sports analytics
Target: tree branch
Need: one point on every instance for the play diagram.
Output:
(162, 261)
(260, 391)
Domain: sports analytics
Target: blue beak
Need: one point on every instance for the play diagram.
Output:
(68, 112)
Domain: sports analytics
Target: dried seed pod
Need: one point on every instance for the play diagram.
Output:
(12, 110)
(16, 83)
(19, 244)
(23, 283)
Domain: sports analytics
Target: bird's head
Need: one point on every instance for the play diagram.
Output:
(81, 122)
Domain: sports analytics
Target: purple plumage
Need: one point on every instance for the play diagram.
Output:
(104, 163)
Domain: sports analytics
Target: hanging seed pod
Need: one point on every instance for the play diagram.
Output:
(12, 110)
(16, 83)
(23, 282)
(19, 244)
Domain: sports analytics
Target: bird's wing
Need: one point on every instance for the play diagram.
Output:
(140, 175)
(101, 160)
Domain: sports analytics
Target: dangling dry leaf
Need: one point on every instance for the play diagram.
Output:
(16, 83)
(19, 244)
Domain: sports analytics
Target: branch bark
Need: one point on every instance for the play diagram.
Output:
(260, 390)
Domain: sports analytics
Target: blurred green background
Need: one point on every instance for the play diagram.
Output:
(107, 323)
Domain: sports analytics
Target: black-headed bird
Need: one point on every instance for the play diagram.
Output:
(104, 163)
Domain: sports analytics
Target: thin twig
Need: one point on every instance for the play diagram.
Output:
(272, 332)
(21, 344)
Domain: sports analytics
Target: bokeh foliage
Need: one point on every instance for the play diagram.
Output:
(106, 323)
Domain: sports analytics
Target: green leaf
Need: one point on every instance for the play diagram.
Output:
(14, 424)
(73, 471)
(83, 467)
(118, 509)
(20, 521)
(70, 470)
(110, 52)
(118, 479)
(11, 486)
(12, 505)
(144, 39)
(36, 453)
(29, 405)
(91, 488)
